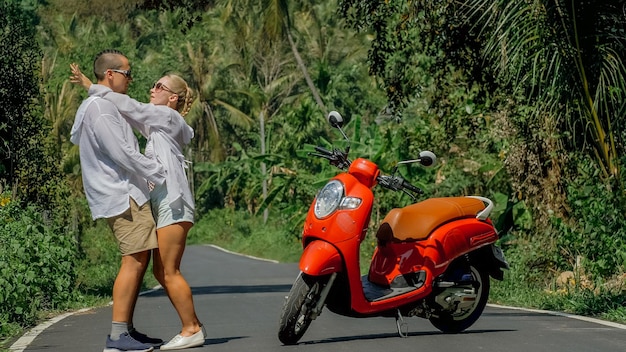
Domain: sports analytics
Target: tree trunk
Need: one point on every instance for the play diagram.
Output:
(307, 77)
(263, 166)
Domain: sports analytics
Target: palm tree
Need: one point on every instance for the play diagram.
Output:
(276, 25)
(283, 16)
(264, 71)
(567, 57)
(332, 49)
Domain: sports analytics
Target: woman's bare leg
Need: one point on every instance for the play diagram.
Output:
(166, 269)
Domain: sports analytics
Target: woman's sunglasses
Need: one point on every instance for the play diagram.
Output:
(158, 86)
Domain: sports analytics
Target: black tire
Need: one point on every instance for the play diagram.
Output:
(456, 322)
(296, 315)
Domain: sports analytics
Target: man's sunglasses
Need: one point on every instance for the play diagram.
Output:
(126, 73)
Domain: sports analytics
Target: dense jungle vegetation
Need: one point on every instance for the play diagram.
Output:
(524, 102)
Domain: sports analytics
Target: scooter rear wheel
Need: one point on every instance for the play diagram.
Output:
(297, 312)
(455, 322)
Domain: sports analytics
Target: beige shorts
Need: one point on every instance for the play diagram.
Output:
(134, 229)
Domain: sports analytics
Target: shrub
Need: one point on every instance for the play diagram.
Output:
(37, 264)
(596, 232)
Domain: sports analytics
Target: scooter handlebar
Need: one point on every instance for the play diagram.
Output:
(397, 183)
(340, 160)
(410, 187)
(323, 150)
(335, 156)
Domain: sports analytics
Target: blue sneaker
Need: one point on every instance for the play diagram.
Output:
(126, 344)
(143, 338)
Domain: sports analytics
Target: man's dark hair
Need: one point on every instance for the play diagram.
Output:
(106, 59)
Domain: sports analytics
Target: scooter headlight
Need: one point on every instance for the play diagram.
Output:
(328, 199)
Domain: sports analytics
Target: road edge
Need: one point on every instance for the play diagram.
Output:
(241, 255)
(566, 315)
(24, 341)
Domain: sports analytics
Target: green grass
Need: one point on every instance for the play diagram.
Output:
(523, 287)
(244, 233)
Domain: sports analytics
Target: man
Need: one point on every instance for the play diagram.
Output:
(115, 176)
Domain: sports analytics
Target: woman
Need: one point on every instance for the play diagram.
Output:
(162, 123)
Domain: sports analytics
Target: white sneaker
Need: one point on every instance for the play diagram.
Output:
(180, 342)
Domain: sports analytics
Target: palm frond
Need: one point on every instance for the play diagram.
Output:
(564, 57)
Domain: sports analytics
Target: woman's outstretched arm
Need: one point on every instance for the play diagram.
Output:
(78, 77)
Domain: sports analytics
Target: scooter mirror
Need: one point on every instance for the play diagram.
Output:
(335, 119)
(427, 158)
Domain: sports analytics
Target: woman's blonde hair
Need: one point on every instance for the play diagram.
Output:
(185, 94)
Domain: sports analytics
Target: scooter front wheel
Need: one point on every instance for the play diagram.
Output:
(298, 310)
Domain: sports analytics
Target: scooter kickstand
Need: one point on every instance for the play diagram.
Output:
(403, 328)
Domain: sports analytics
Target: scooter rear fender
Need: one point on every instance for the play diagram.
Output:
(433, 254)
(320, 258)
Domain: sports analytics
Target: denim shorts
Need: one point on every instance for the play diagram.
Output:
(164, 215)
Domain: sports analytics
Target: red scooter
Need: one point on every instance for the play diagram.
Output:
(433, 258)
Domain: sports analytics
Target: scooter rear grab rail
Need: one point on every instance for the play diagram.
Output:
(484, 214)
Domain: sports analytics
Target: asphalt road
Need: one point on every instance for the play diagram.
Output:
(239, 301)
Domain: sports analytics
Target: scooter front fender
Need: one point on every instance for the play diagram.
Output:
(320, 258)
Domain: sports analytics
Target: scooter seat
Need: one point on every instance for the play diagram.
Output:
(417, 221)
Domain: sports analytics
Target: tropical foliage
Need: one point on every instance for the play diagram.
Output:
(541, 83)
(522, 102)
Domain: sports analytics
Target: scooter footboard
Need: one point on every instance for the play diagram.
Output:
(320, 258)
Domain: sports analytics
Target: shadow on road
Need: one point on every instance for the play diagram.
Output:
(394, 335)
(211, 290)
(221, 340)
(516, 314)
